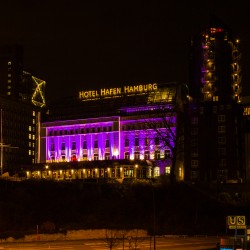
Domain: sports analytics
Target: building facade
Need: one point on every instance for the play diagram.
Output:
(21, 102)
(133, 127)
(215, 145)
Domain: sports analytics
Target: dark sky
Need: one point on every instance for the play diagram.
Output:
(81, 45)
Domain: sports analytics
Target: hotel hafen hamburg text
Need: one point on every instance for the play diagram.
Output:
(126, 132)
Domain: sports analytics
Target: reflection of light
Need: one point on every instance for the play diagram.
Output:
(46, 166)
(136, 166)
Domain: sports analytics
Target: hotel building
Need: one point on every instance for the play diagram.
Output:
(125, 132)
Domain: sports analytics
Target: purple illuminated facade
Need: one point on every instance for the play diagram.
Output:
(132, 135)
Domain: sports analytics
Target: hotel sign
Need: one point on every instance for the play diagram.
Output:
(115, 92)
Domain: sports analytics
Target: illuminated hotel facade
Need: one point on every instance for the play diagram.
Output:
(126, 132)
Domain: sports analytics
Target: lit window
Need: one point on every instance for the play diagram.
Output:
(34, 121)
(215, 98)
(33, 137)
(156, 171)
(30, 136)
(9, 75)
(146, 155)
(167, 170)
(157, 155)
(137, 155)
(29, 128)
(34, 113)
(127, 155)
(29, 152)
(107, 156)
(8, 93)
(96, 157)
(9, 62)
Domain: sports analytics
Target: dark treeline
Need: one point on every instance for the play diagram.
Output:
(159, 208)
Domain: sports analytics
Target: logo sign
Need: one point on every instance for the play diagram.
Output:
(236, 222)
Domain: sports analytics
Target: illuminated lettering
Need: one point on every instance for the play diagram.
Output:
(94, 94)
(126, 89)
(136, 88)
(118, 91)
(102, 92)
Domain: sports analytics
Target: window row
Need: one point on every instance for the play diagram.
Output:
(157, 155)
(80, 131)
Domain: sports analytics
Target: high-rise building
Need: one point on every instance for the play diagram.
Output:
(21, 101)
(214, 135)
(16, 83)
(215, 72)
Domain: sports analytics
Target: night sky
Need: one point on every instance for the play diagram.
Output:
(82, 45)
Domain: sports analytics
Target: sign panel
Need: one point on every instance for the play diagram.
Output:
(115, 92)
(236, 222)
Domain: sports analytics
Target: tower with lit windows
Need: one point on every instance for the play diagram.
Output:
(214, 141)
(16, 83)
(21, 102)
(215, 72)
